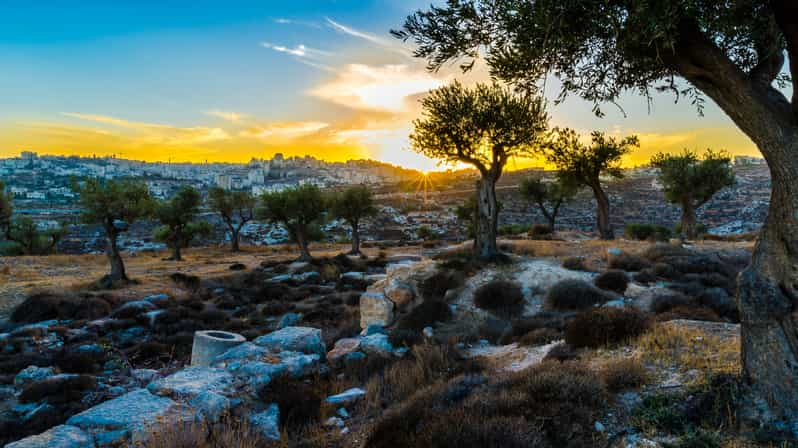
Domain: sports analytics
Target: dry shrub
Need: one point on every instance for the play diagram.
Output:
(691, 313)
(574, 295)
(400, 380)
(575, 264)
(561, 352)
(435, 286)
(613, 280)
(604, 326)
(628, 262)
(52, 305)
(58, 389)
(540, 336)
(195, 433)
(299, 401)
(499, 295)
(622, 374)
(409, 326)
(666, 302)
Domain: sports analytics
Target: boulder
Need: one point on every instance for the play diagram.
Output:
(267, 423)
(288, 320)
(347, 396)
(376, 344)
(239, 355)
(32, 374)
(342, 348)
(400, 293)
(294, 339)
(192, 381)
(375, 309)
(260, 373)
(127, 415)
(62, 436)
(211, 405)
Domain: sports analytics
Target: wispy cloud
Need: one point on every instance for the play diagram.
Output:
(285, 129)
(232, 117)
(158, 133)
(382, 42)
(383, 88)
(300, 50)
(285, 21)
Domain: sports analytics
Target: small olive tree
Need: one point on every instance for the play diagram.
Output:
(549, 197)
(352, 205)
(178, 216)
(691, 181)
(236, 209)
(299, 209)
(114, 204)
(31, 239)
(484, 126)
(6, 209)
(581, 164)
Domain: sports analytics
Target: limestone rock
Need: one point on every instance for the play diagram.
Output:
(211, 405)
(294, 339)
(375, 309)
(376, 344)
(129, 413)
(192, 381)
(267, 423)
(32, 374)
(62, 436)
(347, 396)
(342, 348)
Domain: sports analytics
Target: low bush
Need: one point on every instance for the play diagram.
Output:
(613, 280)
(575, 264)
(539, 231)
(575, 295)
(628, 262)
(665, 302)
(645, 277)
(58, 389)
(540, 336)
(689, 312)
(408, 328)
(659, 252)
(645, 232)
(622, 374)
(50, 305)
(514, 229)
(70, 361)
(604, 326)
(436, 285)
(299, 401)
(499, 295)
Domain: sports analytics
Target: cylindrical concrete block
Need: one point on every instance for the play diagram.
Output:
(211, 343)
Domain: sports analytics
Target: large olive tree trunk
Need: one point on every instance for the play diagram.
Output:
(235, 237)
(355, 239)
(302, 242)
(768, 297)
(486, 225)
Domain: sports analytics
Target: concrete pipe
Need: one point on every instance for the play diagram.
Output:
(210, 344)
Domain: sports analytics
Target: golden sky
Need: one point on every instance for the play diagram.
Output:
(296, 81)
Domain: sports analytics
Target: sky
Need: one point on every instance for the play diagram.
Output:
(228, 81)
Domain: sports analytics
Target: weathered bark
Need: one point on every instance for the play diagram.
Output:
(176, 253)
(115, 258)
(602, 212)
(768, 296)
(486, 225)
(355, 239)
(688, 220)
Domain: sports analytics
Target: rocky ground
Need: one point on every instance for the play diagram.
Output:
(627, 344)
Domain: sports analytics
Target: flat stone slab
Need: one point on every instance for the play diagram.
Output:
(130, 411)
(347, 396)
(294, 339)
(62, 436)
(239, 355)
(192, 381)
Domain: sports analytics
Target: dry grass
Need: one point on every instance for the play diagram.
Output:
(672, 344)
(21, 276)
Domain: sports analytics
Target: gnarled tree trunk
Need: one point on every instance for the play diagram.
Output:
(688, 220)
(302, 242)
(235, 237)
(486, 225)
(115, 258)
(355, 239)
(768, 299)
(602, 213)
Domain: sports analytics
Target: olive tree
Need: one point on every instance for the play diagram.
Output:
(178, 217)
(581, 164)
(114, 204)
(236, 208)
(31, 239)
(484, 126)
(6, 209)
(548, 197)
(299, 209)
(352, 205)
(732, 51)
(691, 181)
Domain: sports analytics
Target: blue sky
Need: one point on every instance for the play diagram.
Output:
(232, 80)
